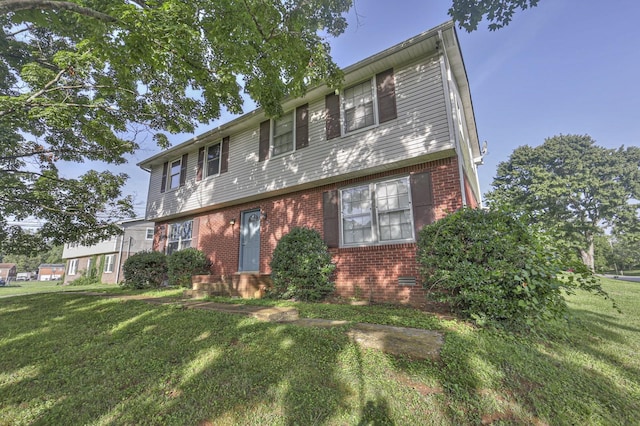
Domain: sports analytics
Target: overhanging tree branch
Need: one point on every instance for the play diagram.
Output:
(17, 5)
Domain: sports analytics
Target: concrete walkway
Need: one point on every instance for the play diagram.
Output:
(413, 343)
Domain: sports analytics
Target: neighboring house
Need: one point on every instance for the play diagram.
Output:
(106, 258)
(50, 271)
(8, 271)
(367, 167)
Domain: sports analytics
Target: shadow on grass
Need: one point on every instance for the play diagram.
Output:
(489, 377)
(69, 359)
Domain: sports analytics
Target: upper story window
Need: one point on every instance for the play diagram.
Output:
(358, 106)
(377, 212)
(180, 235)
(213, 160)
(363, 105)
(174, 173)
(283, 135)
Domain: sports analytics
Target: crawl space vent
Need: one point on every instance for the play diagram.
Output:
(406, 281)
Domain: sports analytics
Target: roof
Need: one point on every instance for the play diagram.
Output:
(51, 265)
(7, 265)
(423, 44)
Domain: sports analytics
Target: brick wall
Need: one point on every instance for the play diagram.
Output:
(365, 272)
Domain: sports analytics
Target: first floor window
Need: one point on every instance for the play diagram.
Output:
(149, 234)
(73, 266)
(377, 212)
(180, 234)
(108, 263)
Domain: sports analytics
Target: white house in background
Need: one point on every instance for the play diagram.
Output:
(107, 257)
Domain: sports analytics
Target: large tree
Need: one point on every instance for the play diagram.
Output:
(573, 187)
(80, 78)
(498, 13)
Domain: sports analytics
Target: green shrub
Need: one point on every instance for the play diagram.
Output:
(497, 270)
(183, 264)
(301, 266)
(145, 269)
(85, 279)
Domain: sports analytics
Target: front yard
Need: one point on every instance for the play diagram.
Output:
(78, 359)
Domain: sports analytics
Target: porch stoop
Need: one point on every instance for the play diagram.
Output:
(244, 285)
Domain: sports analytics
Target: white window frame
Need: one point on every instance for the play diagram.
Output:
(205, 164)
(176, 235)
(73, 267)
(375, 213)
(109, 261)
(343, 107)
(147, 236)
(273, 136)
(170, 174)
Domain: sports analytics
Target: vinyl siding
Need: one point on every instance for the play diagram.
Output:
(420, 130)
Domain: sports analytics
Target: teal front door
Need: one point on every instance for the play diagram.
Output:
(250, 241)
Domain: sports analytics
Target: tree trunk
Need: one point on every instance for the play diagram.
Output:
(588, 254)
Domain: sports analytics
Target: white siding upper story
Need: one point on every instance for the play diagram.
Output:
(133, 239)
(421, 132)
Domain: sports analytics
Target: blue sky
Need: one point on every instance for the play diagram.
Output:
(564, 67)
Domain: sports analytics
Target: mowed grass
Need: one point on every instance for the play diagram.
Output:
(30, 287)
(77, 359)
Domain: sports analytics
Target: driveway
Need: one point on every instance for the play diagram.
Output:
(623, 278)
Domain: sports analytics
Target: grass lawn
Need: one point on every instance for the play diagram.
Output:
(76, 359)
(30, 287)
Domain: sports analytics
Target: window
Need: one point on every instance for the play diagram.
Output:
(149, 234)
(179, 236)
(283, 136)
(108, 263)
(358, 106)
(174, 174)
(377, 213)
(213, 160)
(73, 266)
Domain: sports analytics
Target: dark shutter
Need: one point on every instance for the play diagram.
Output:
(330, 218)
(263, 149)
(224, 156)
(195, 231)
(163, 184)
(332, 114)
(422, 200)
(386, 88)
(183, 169)
(302, 126)
(200, 164)
(161, 235)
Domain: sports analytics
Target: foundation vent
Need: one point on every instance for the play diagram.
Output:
(407, 281)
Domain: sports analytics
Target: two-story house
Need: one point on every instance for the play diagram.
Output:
(107, 257)
(367, 166)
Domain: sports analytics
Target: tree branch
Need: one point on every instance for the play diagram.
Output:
(17, 5)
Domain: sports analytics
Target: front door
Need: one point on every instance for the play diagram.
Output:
(250, 241)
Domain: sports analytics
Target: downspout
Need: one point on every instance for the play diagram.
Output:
(444, 62)
(119, 259)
